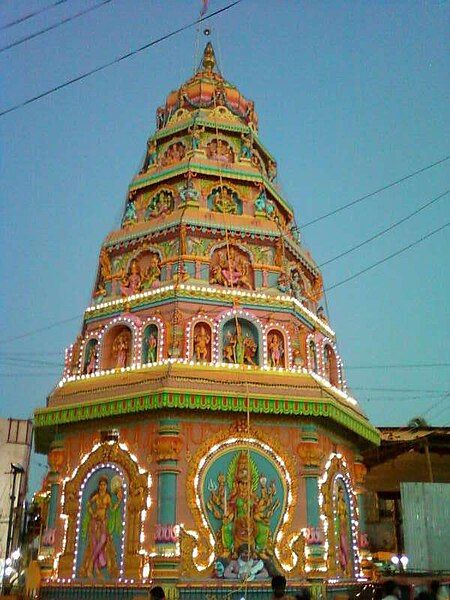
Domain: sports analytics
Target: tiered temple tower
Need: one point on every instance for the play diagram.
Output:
(203, 407)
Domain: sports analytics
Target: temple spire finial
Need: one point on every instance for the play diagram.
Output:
(209, 58)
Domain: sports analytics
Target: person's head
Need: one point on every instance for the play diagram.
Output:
(157, 593)
(278, 586)
(244, 552)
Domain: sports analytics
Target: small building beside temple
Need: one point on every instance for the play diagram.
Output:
(202, 431)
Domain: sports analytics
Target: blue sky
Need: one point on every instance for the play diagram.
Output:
(350, 96)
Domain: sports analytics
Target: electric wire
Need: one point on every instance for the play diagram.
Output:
(36, 34)
(32, 14)
(383, 231)
(374, 193)
(41, 329)
(386, 258)
(116, 60)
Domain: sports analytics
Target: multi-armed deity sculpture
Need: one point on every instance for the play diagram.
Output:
(202, 430)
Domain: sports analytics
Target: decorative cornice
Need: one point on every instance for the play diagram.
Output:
(247, 299)
(225, 172)
(195, 400)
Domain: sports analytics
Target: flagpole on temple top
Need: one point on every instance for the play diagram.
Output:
(202, 13)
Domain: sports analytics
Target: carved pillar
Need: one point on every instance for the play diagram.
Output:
(311, 456)
(167, 449)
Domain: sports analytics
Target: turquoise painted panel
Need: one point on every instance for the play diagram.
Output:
(244, 499)
(312, 502)
(167, 498)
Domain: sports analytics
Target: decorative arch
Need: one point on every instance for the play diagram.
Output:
(110, 349)
(111, 472)
(340, 519)
(231, 266)
(207, 487)
(173, 154)
(162, 203)
(233, 348)
(153, 326)
(220, 150)
(191, 333)
(224, 199)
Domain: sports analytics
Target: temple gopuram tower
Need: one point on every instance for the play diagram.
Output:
(202, 436)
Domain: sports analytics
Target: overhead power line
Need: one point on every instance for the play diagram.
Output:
(411, 366)
(40, 329)
(32, 14)
(54, 26)
(374, 193)
(382, 232)
(386, 258)
(117, 60)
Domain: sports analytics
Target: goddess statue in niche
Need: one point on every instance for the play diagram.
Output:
(244, 503)
(105, 272)
(132, 281)
(121, 349)
(150, 344)
(130, 215)
(223, 202)
(343, 542)
(101, 523)
(239, 346)
(276, 348)
(202, 342)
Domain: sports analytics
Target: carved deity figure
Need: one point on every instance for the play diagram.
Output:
(188, 192)
(160, 205)
(152, 273)
(152, 344)
(105, 272)
(196, 135)
(276, 350)
(101, 522)
(121, 349)
(130, 215)
(244, 504)
(224, 202)
(321, 314)
(202, 341)
(246, 146)
(239, 348)
(152, 154)
(91, 358)
(219, 151)
(342, 533)
(132, 281)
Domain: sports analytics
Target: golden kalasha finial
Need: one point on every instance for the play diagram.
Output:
(209, 58)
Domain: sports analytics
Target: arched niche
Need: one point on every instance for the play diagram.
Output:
(117, 348)
(330, 365)
(104, 506)
(276, 348)
(240, 342)
(312, 355)
(231, 266)
(220, 151)
(151, 342)
(201, 342)
(162, 203)
(339, 507)
(90, 357)
(174, 153)
(224, 199)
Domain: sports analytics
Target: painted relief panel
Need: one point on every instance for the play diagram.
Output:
(101, 530)
(342, 528)
(244, 498)
(240, 342)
